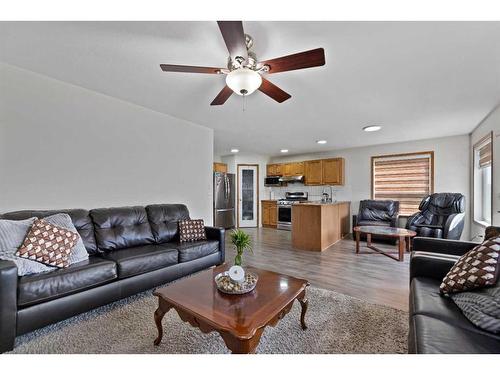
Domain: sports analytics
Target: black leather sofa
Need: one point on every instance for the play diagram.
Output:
(131, 249)
(437, 326)
(441, 215)
(383, 213)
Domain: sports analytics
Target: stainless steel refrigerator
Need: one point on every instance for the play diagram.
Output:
(224, 200)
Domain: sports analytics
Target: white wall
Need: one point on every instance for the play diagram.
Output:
(63, 146)
(451, 162)
(490, 124)
(232, 162)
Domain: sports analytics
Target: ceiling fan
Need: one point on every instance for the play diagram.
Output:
(244, 73)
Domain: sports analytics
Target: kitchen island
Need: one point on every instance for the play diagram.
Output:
(316, 225)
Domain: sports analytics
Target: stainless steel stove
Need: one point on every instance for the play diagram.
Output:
(285, 208)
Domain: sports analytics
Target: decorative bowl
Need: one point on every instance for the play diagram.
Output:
(226, 285)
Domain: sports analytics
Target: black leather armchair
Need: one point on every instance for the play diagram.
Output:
(441, 215)
(376, 212)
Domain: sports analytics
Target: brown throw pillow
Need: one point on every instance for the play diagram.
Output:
(192, 230)
(48, 244)
(476, 269)
(491, 232)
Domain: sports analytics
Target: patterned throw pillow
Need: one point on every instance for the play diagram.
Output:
(192, 230)
(48, 244)
(476, 269)
(79, 252)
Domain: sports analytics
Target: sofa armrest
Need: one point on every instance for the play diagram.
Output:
(218, 234)
(432, 265)
(8, 305)
(442, 246)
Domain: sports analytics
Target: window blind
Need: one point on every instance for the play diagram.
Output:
(405, 178)
(485, 154)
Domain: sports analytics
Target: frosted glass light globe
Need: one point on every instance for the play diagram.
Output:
(243, 81)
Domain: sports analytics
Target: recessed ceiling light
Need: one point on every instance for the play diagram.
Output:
(321, 142)
(234, 150)
(284, 150)
(372, 128)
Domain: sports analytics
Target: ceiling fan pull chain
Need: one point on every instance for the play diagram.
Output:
(244, 101)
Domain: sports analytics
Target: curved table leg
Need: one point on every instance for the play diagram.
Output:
(160, 312)
(304, 303)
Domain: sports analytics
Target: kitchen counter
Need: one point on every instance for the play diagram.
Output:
(317, 226)
(319, 203)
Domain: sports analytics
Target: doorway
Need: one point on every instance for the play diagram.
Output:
(248, 195)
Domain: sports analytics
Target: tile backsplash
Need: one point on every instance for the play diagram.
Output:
(340, 193)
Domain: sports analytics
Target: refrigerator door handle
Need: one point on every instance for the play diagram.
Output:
(224, 209)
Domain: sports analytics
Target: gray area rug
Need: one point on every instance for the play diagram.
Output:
(337, 324)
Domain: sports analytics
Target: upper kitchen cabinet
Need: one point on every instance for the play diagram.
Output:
(298, 168)
(274, 170)
(333, 171)
(313, 172)
(279, 169)
(220, 167)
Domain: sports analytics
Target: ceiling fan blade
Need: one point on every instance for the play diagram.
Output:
(234, 37)
(189, 69)
(222, 96)
(301, 60)
(273, 91)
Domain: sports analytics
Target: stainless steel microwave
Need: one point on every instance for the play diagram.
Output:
(272, 181)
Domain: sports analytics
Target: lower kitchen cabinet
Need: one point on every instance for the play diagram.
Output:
(269, 214)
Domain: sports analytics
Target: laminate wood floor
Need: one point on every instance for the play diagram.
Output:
(371, 277)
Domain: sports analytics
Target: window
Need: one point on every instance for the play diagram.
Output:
(406, 178)
(483, 166)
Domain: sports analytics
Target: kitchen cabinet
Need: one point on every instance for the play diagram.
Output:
(333, 171)
(298, 168)
(288, 169)
(313, 172)
(269, 214)
(317, 226)
(316, 172)
(274, 170)
(220, 167)
(279, 169)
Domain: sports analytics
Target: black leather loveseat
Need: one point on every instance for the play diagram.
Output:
(436, 323)
(131, 250)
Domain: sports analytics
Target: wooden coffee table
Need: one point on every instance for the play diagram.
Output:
(239, 319)
(404, 237)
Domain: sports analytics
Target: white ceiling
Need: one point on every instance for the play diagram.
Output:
(416, 79)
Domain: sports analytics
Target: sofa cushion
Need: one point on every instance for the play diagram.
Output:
(429, 335)
(42, 287)
(121, 227)
(164, 220)
(137, 260)
(80, 218)
(194, 250)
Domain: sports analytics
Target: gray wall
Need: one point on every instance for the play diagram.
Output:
(451, 173)
(64, 146)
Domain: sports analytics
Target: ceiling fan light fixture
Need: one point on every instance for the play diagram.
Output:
(243, 81)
